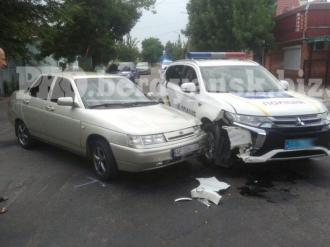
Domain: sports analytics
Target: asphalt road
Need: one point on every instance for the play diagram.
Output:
(55, 200)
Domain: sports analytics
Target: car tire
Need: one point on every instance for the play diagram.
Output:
(23, 135)
(209, 130)
(103, 161)
(229, 159)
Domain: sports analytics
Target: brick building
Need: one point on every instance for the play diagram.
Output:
(302, 35)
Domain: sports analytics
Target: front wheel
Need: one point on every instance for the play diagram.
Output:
(104, 163)
(23, 136)
(209, 130)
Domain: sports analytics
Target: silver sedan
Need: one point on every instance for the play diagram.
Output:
(107, 119)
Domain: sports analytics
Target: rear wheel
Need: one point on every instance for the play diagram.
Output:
(104, 163)
(23, 136)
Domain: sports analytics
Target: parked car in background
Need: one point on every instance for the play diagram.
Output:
(143, 68)
(105, 118)
(165, 64)
(126, 69)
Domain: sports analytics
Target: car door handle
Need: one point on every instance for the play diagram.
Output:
(49, 108)
(26, 101)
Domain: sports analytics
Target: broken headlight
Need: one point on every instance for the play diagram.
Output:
(255, 121)
(145, 140)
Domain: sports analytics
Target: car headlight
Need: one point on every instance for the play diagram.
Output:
(325, 117)
(134, 140)
(255, 121)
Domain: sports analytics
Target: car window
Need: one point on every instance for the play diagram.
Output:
(62, 88)
(40, 88)
(96, 91)
(174, 75)
(189, 75)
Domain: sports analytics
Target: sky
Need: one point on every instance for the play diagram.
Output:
(166, 24)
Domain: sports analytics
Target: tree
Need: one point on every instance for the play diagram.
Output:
(127, 50)
(20, 20)
(152, 50)
(93, 31)
(175, 51)
(222, 25)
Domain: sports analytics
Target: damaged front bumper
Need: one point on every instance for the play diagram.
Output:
(256, 145)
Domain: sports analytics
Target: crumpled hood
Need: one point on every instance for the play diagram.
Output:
(143, 120)
(271, 104)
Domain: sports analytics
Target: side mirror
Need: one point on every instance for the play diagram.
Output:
(285, 85)
(188, 87)
(65, 101)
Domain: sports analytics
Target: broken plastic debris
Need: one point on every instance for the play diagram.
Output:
(206, 194)
(204, 202)
(183, 199)
(212, 184)
(208, 189)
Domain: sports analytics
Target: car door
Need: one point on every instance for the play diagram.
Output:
(190, 100)
(34, 107)
(63, 122)
(173, 81)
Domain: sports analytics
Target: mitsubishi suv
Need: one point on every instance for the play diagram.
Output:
(247, 113)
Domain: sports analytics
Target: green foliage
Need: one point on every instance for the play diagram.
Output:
(127, 50)
(222, 25)
(175, 51)
(92, 28)
(20, 20)
(152, 50)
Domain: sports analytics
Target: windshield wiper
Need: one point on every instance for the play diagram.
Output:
(106, 105)
(136, 103)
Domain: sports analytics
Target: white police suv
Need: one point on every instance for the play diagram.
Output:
(247, 113)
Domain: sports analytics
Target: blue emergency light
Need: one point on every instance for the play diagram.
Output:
(215, 55)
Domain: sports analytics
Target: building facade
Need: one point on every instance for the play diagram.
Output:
(302, 49)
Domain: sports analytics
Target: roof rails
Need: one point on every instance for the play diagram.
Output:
(216, 55)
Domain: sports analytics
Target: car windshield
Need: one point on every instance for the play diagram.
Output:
(110, 92)
(167, 62)
(228, 79)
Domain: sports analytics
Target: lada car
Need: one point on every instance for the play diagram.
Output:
(105, 118)
(247, 113)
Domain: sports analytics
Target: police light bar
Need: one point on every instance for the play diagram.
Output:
(215, 55)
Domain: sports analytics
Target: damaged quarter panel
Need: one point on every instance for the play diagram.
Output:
(246, 112)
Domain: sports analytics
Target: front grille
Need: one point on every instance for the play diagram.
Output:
(179, 134)
(291, 121)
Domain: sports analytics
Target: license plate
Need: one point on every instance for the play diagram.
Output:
(299, 143)
(178, 152)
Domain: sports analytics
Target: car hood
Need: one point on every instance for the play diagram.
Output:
(270, 104)
(143, 120)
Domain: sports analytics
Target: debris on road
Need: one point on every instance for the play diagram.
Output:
(183, 199)
(207, 191)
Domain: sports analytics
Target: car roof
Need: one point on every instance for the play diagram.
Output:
(81, 74)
